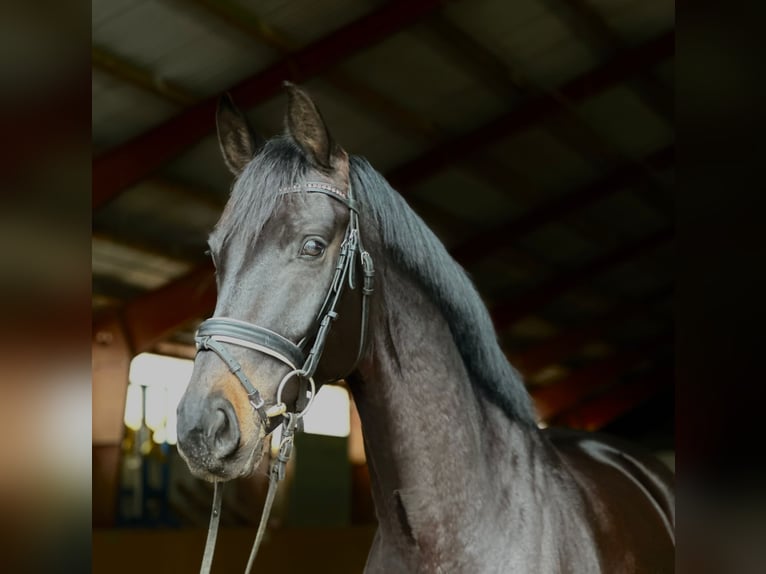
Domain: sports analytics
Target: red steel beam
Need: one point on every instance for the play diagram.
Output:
(493, 240)
(127, 164)
(528, 303)
(614, 403)
(534, 110)
(153, 316)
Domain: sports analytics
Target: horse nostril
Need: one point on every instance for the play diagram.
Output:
(222, 431)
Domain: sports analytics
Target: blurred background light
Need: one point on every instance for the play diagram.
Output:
(164, 380)
(330, 413)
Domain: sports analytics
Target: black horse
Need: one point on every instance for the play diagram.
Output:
(463, 480)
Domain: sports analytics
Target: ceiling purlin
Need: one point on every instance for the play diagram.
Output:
(114, 289)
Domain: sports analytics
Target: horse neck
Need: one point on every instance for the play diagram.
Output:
(434, 443)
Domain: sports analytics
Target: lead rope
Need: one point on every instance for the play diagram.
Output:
(212, 531)
(276, 475)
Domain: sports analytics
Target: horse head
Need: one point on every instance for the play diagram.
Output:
(288, 254)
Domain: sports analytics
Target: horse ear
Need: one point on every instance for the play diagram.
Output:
(307, 127)
(238, 141)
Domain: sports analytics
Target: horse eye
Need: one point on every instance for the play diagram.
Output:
(312, 248)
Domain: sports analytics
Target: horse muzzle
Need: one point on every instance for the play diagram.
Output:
(210, 439)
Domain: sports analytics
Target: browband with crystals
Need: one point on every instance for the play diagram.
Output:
(321, 187)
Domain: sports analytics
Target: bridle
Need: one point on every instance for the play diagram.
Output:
(217, 332)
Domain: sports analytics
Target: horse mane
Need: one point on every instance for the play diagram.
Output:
(414, 249)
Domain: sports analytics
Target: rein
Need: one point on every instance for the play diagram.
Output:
(217, 332)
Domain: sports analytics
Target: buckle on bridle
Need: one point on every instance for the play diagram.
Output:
(369, 272)
(256, 404)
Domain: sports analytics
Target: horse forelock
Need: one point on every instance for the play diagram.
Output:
(255, 194)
